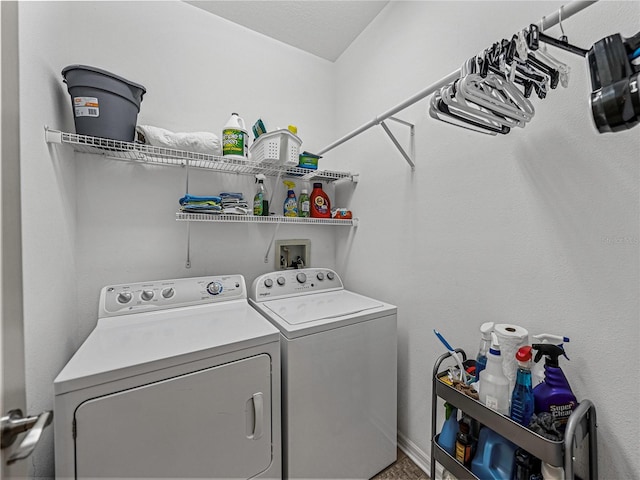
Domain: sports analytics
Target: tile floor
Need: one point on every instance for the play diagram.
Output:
(402, 469)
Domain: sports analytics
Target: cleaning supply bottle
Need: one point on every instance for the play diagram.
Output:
(494, 387)
(235, 138)
(465, 443)
(290, 203)
(554, 395)
(495, 457)
(485, 343)
(526, 466)
(320, 205)
(447, 437)
(522, 396)
(303, 203)
(260, 200)
(537, 369)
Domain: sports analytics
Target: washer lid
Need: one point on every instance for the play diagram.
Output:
(121, 347)
(305, 314)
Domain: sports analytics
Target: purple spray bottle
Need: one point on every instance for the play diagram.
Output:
(554, 395)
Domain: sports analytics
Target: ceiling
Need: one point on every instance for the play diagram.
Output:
(322, 27)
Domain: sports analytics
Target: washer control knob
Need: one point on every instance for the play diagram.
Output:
(168, 292)
(124, 297)
(146, 295)
(281, 281)
(268, 282)
(330, 275)
(214, 288)
(320, 276)
(301, 277)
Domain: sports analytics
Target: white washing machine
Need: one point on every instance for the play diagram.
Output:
(339, 378)
(179, 379)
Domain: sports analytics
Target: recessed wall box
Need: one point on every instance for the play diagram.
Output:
(291, 254)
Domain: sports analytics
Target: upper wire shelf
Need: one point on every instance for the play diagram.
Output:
(138, 152)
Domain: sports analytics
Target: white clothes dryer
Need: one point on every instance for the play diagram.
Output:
(179, 379)
(339, 378)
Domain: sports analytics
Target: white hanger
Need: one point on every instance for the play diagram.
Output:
(435, 112)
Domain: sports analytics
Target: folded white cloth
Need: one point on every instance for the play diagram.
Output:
(200, 142)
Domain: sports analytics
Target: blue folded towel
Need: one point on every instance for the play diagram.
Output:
(231, 195)
(197, 198)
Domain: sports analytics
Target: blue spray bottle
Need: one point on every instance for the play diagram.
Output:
(522, 403)
(290, 203)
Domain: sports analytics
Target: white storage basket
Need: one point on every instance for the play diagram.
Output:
(278, 147)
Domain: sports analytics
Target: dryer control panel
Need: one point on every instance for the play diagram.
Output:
(286, 283)
(162, 294)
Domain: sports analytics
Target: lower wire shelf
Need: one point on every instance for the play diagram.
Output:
(277, 219)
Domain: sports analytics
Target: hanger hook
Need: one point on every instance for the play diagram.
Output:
(563, 38)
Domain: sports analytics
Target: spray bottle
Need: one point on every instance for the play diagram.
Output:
(537, 369)
(494, 388)
(290, 203)
(485, 344)
(260, 201)
(304, 203)
(522, 403)
(554, 395)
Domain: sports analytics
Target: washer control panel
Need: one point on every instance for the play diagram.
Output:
(284, 283)
(163, 294)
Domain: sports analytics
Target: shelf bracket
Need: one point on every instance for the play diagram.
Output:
(188, 262)
(409, 157)
(273, 239)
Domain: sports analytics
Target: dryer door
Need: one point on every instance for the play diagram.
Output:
(213, 423)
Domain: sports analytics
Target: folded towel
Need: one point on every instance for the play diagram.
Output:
(200, 142)
(199, 198)
(190, 207)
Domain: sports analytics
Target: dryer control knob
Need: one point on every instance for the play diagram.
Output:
(320, 276)
(281, 281)
(168, 292)
(146, 295)
(214, 288)
(268, 282)
(301, 277)
(124, 297)
(330, 275)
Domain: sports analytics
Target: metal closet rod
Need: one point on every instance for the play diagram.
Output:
(562, 14)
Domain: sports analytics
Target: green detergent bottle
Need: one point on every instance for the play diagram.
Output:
(235, 138)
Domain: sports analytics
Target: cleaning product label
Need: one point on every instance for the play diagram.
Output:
(234, 142)
(304, 206)
(290, 207)
(86, 107)
(492, 402)
(562, 412)
(257, 204)
(320, 205)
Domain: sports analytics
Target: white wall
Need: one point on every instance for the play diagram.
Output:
(90, 221)
(522, 229)
(538, 228)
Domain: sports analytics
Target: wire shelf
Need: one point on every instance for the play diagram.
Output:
(277, 219)
(137, 152)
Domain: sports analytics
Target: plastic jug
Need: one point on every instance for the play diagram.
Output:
(235, 138)
(495, 456)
